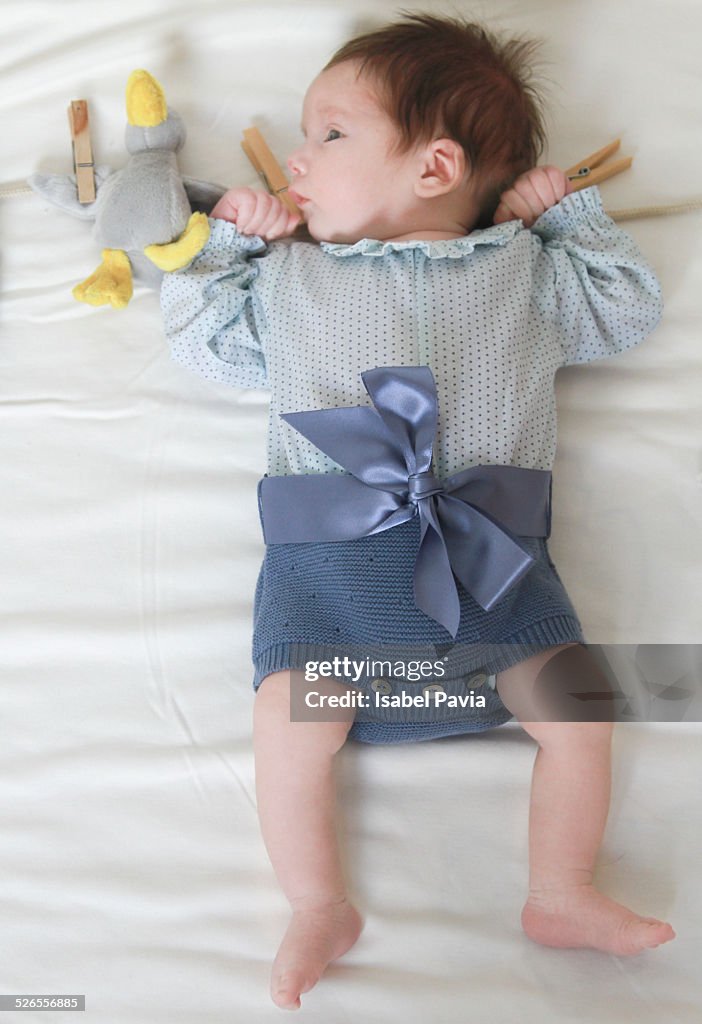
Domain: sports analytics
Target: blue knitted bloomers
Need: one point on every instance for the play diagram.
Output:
(320, 599)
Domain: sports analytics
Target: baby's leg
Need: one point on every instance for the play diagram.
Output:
(569, 805)
(295, 792)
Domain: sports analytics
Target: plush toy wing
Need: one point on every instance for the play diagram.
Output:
(61, 190)
(203, 195)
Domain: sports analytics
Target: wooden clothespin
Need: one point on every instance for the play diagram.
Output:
(82, 150)
(267, 167)
(588, 171)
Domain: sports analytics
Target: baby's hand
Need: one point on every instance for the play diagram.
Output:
(532, 194)
(256, 213)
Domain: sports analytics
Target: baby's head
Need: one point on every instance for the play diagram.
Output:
(414, 130)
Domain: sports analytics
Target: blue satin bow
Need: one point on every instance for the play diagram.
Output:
(467, 522)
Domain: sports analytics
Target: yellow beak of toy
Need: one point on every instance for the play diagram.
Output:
(146, 101)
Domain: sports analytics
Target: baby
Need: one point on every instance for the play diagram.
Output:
(456, 276)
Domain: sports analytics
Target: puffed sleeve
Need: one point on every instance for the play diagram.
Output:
(213, 315)
(590, 281)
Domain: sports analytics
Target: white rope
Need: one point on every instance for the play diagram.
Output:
(14, 188)
(655, 211)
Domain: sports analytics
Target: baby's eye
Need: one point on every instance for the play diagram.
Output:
(333, 131)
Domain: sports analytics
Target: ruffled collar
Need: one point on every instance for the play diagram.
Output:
(452, 248)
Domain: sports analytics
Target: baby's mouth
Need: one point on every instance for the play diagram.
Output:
(297, 198)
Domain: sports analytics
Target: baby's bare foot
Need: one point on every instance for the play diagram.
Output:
(316, 935)
(580, 916)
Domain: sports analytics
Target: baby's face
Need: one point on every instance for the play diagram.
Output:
(343, 179)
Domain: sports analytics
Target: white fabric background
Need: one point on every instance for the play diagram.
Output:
(131, 868)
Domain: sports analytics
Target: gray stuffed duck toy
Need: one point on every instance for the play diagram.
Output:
(148, 217)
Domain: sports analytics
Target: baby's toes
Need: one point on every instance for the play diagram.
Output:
(285, 990)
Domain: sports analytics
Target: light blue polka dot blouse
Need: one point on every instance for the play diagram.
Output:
(494, 314)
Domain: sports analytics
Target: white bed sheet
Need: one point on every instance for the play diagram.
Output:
(131, 867)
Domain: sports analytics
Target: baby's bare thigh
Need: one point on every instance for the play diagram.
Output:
(562, 684)
(278, 714)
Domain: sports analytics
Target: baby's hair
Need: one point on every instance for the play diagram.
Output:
(447, 77)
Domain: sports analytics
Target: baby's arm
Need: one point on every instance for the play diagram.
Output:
(213, 312)
(256, 213)
(595, 291)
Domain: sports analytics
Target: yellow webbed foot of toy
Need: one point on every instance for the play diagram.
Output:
(111, 282)
(175, 255)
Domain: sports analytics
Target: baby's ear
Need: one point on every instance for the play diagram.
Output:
(443, 168)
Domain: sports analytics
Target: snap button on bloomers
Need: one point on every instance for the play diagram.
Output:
(381, 686)
(433, 688)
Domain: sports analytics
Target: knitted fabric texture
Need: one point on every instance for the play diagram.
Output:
(315, 601)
